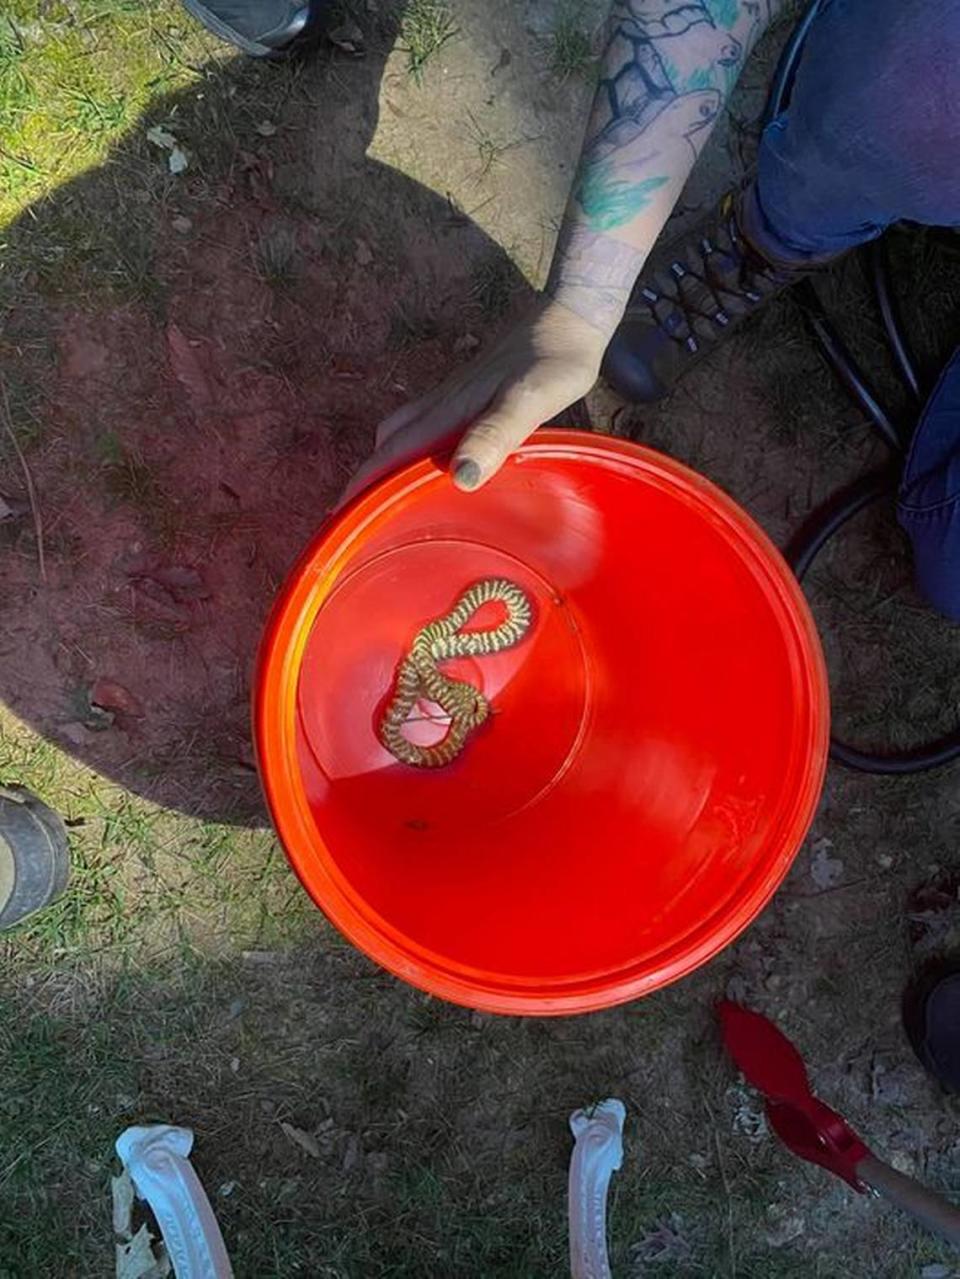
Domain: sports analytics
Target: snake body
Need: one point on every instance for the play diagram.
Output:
(420, 677)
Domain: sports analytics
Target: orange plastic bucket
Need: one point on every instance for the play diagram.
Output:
(654, 758)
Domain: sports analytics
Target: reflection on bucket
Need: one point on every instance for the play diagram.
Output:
(657, 747)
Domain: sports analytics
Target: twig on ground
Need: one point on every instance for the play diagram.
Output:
(726, 1187)
(27, 475)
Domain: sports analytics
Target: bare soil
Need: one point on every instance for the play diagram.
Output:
(194, 378)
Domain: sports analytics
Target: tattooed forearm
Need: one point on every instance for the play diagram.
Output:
(593, 273)
(668, 67)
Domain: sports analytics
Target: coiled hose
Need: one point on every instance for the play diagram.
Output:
(833, 515)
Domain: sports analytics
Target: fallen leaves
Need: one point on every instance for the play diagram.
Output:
(161, 137)
(172, 596)
(188, 368)
(305, 1140)
(258, 173)
(825, 871)
(348, 38)
(122, 1191)
(135, 1257)
(178, 158)
(109, 695)
(135, 1260)
(667, 1242)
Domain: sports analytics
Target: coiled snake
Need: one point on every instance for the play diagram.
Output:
(419, 675)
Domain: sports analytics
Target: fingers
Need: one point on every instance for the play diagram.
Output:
(406, 414)
(404, 446)
(492, 438)
(462, 393)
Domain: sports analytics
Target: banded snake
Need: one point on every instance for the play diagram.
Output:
(419, 676)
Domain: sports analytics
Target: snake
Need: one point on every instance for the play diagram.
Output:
(419, 676)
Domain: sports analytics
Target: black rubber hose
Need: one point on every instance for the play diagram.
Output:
(844, 365)
(899, 347)
(786, 72)
(802, 550)
(831, 517)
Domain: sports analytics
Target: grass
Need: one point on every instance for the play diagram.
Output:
(426, 27)
(129, 479)
(63, 102)
(185, 976)
(412, 322)
(275, 257)
(572, 51)
(493, 285)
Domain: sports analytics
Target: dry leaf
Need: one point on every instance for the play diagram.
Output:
(188, 368)
(266, 128)
(122, 1190)
(258, 171)
(163, 1265)
(161, 138)
(181, 224)
(135, 1260)
(111, 696)
(666, 1242)
(348, 38)
(351, 1156)
(183, 581)
(6, 511)
(825, 871)
(304, 1140)
(178, 160)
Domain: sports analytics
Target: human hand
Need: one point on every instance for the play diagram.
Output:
(543, 364)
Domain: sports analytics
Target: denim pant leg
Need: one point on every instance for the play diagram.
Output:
(929, 505)
(871, 134)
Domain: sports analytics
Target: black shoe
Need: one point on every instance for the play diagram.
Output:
(931, 1017)
(34, 855)
(691, 295)
(262, 28)
(931, 1003)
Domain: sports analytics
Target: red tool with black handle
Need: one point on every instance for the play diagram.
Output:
(811, 1129)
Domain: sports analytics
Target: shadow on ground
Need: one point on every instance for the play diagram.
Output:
(223, 344)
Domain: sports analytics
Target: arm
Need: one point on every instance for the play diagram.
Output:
(666, 72)
(668, 69)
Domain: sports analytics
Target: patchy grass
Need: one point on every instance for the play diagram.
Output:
(145, 880)
(493, 286)
(412, 321)
(426, 27)
(572, 50)
(275, 257)
(64, 100)
(185, 976)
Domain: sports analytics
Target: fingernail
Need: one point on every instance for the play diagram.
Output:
(466, 474)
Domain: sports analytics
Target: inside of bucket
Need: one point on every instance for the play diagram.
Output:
(640, 766)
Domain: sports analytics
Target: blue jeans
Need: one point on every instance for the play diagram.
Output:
(871, 136)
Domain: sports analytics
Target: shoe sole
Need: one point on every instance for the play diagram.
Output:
(33, 843)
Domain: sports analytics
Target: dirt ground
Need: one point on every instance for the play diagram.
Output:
(196, 363)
